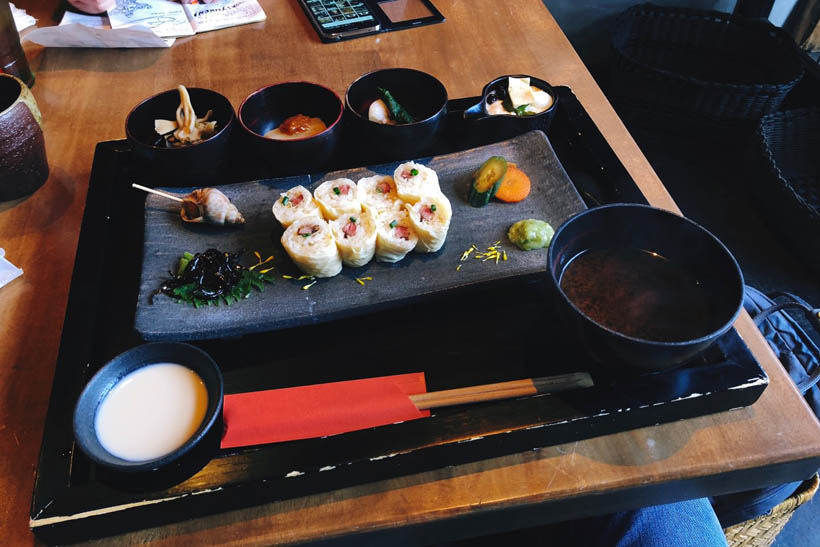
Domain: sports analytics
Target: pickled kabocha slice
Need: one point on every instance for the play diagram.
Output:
(486, 181)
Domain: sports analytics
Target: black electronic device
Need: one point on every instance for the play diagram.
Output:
(336, 20)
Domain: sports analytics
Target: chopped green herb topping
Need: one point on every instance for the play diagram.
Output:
(353, 220)
(393, 224)
(284, 200)
(337, 191)
(414, 171)
(433, 207)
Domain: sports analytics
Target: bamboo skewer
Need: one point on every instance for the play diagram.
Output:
(501, 390)
(157, 192)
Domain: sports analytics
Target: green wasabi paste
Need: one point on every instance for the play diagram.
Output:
(530, 234)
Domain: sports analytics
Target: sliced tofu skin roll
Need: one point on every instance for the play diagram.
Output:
(395, 236)
(414, 181)
(309, 243)
(431, 220)
(337, 197)
(378, 193)
(355, 236)
(296, 203)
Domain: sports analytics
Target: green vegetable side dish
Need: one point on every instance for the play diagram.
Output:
(486, 181)
(397, 111)
(530, 234)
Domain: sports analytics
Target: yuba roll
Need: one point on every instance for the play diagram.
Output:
(378, 193)
(309, 243)
(296, 203)
(395, 236)
(355, 236)
(337, 197)
(414, 181)
(431, 220)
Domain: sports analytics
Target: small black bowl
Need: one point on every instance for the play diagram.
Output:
(125, 363)
(422, 95)
(194, 164)
(696, 261)
(266, 109)
(506, 126)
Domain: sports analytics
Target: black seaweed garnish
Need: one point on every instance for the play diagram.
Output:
(215, 276)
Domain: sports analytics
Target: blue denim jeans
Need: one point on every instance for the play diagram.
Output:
(689, 523)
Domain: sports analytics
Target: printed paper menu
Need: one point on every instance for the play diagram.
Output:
(168, 18)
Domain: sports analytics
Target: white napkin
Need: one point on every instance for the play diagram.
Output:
(79, 30)
(8, 271)
(21, 19)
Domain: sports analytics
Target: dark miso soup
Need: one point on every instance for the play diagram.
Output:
(638, 293)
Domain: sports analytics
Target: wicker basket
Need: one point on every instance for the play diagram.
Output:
(762, 531)
(784, 170)
(700, 64)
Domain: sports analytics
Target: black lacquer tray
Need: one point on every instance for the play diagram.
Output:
(74, 500)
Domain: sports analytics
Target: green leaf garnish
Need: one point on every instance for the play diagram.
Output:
(397, 111)
(414, 172)
(353, 220)
(393, 224)
(522, 110)
(433, 207)
(284, 200)
(337, 191)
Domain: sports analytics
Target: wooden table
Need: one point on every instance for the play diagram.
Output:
(85, 96)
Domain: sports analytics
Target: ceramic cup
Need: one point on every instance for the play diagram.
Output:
(24, 167)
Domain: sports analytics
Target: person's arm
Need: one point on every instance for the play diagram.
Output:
(93, 6)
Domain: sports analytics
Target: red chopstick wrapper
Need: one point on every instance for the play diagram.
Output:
(304, 412)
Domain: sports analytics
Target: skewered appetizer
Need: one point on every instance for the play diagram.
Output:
(430, 217)
(309, 243)
(296, 203)
(414, 181)
(211, 206)
(356, 238)
(378, 193)
(395, 236)
(337, 197)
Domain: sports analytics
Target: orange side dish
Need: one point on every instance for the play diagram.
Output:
(515, 186)
(297, 127)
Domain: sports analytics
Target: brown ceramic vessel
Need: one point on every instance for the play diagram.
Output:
(23, 163)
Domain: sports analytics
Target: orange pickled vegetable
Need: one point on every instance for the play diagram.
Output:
(515, 186)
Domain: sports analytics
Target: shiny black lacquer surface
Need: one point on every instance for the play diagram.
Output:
(265, 109)
(675, 240)
(419, 93)
(529, 343)
(128, 362)
(157, 163)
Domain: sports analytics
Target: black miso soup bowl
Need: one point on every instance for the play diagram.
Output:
(193, 164)
(266, 109)
(509, 125)
(421, 94)
(674, 237)
(127, 362)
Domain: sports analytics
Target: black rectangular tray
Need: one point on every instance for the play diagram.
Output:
(75, 500)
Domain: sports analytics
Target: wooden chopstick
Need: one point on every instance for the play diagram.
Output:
(501, 390)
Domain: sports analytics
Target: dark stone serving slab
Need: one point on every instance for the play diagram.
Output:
(285, 304)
